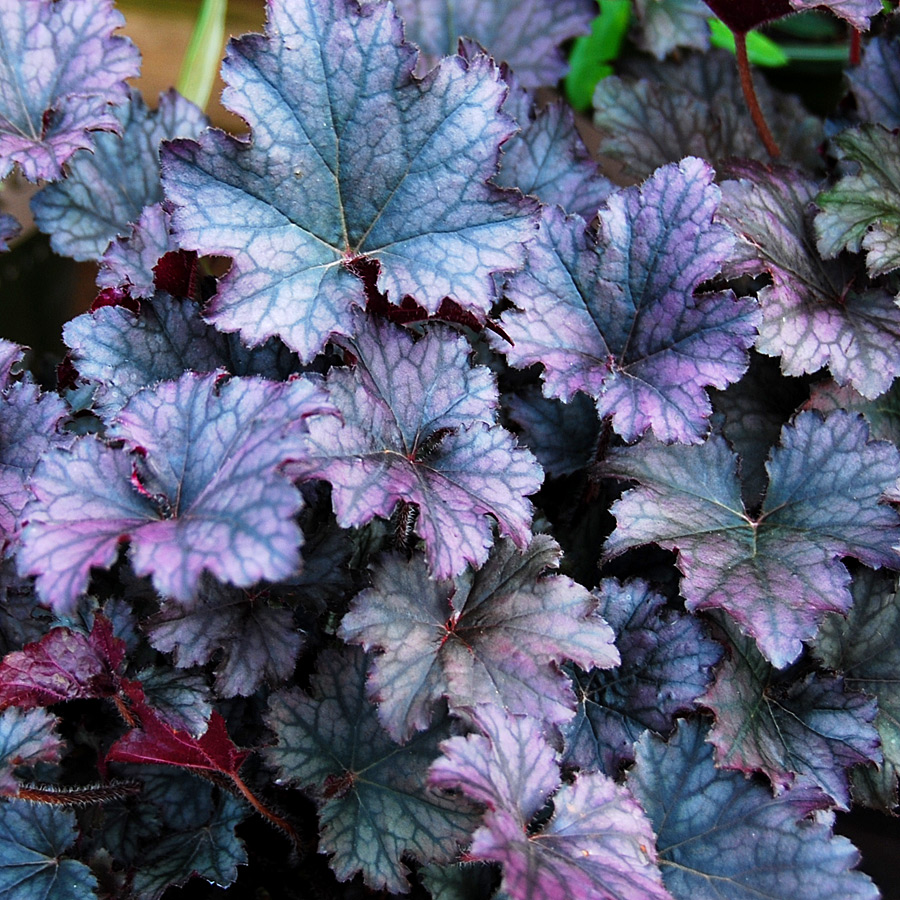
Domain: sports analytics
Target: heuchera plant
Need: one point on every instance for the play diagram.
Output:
(484, 528)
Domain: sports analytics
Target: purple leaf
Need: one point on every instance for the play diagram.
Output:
(106, 189)
(63, 665)
(808, 730)
(597, 844)
(778, 572)
(29, 427)
(658, 113)
(812, 315)
(374, 806)
(525, 34)
(862, 211)
(488, 636)
(200, 492)
(26, 738)
(865, 645)
(417, 426)
(66, 68)
(617, 317)
(720, 834)
(548, 159)
(875, 83)
(253, 640)
(129, 261)
(669, 24)
(666, 663)
(351, 158)
(157, 344)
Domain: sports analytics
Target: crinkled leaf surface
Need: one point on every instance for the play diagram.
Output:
(720, 834)
(203, 493)
(862, 211)
(778, 572)
(856, 12)
(212, 852)
(417, 426)
(668, 24)
(63, 665)
(865, 645)
(489, 636)
(526, 34)
(33, 839)
(29, 427)
(617, 317)
(548, 159)
(26, 737)
(106, 189)
(64, 68)
(657, 113)
(666, 663)
(563, 436)
(812, 314)
(807, 730)
(875, 83)
(351, 156)
(374, 805)
(159, 343)
(255, 641)
(597, 844)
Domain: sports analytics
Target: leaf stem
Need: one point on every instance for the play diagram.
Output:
(280, 823)
(756, 113)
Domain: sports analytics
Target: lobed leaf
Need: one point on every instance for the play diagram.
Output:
(212, 852)
(33, 841)
(494, 635)
(252, 640)
(158, 343)
(666, 665)
(862, 211)
(526, 34)
(107, 188)
(669, 24)
(351, 158)
(812, 315)
(875, 83)
(203, 493)
(721, 834)
(778, 572)
(67, 69)
(597, 844)
(63, 665)
(374, 805)
(620, 318)
(417, 425)
(864, 646)
(808, 730)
